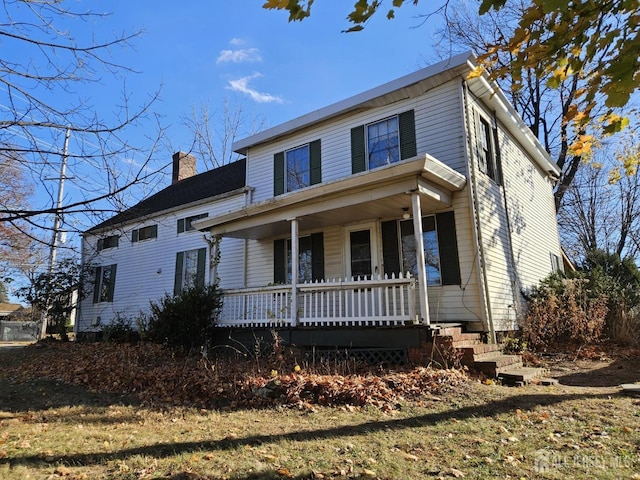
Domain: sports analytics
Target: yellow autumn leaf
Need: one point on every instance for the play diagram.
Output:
(280, 4)
(475, 73)
(614, 176)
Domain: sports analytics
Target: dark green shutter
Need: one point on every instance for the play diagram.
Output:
(202, 257)
(498, 158)
(96, 285)
(390, 252)
(278, 174)
(112, 283)
(448, 247)
(154, 231)
(317, 256)
(279, 261)
(315, 163)
(358, 161)
(100, 244)
(177, 283)
(407, 127)
(135, 235)
(181, 225)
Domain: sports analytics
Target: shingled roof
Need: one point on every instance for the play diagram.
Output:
(205, 185)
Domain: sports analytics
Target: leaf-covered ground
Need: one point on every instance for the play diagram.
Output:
(155, 376)
(137, 422)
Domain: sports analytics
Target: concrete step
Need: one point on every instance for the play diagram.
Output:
(521, 376)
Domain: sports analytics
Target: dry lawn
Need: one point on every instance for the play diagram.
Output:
(584, 428)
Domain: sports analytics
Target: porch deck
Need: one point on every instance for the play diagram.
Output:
(354, 302)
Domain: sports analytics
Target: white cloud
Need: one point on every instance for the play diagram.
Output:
(237, 41)
(239, 56)
(242, 85)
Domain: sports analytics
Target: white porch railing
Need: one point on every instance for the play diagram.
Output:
(355, 302)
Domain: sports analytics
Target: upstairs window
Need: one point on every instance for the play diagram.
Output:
(383, 146)
(297, 168)
(144, 233)
(104, 285)
(383, 142)
(108, 242)
(185, 224)
(487, 158)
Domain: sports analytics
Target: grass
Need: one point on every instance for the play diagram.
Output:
(49, 429)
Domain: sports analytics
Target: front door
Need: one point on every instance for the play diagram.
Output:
(361, 251)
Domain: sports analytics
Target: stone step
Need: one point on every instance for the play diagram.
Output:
(448, 331)
(461, 339)
(521, 376)
(477, 352)
(495, 364)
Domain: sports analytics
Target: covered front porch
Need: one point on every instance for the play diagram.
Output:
(365, 285)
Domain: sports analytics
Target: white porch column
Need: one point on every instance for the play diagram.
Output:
(294, 271)
(422, 272)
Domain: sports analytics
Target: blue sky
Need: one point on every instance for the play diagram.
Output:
(204, 51)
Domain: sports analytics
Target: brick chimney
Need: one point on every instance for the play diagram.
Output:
(184, 166)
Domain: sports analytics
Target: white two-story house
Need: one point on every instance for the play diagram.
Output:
(421, 202)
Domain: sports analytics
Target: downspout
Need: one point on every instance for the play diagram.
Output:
(477, 232)
(422, 272)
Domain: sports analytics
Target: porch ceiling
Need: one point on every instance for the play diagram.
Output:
(382, 193)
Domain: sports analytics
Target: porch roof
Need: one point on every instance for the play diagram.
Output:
(379, 193)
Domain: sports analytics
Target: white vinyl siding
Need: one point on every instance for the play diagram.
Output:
(146, 270)
(439, 132)
(526, 223)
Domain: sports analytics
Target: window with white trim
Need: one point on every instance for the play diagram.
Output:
(185, 224)
(486, 149)
(190, 269)
(383, 142)
(383, 145)
(104, 285)
(144, 233)
(108, 242)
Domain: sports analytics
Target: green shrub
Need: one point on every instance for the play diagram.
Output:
(120, 331)
(184, 321)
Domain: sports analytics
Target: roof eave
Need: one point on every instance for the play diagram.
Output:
(438, 73)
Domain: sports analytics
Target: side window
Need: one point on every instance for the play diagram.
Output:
(297, 168)
(185, 224)
(144, 233)
(556, 265)
(310, 259)
(487, 149)
(104, 285)
(111, 241)
(190, 266)
(383, 142)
